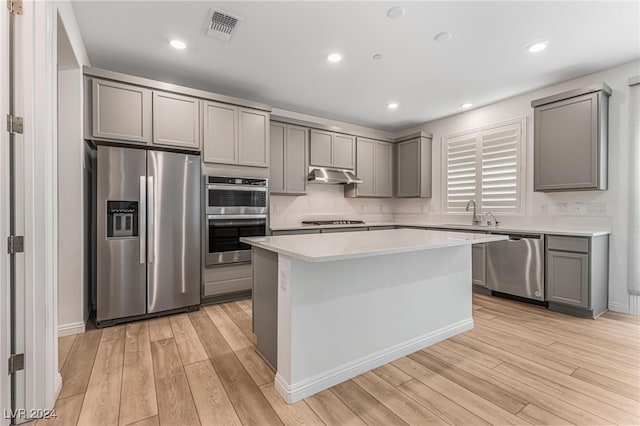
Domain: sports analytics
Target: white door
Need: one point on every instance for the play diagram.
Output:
(28, 314)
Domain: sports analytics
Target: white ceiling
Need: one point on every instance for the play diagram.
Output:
(278, 54)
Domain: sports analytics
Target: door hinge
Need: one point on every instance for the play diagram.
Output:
(14, 124)
(16, 363)
(15, 244)
(15, 7)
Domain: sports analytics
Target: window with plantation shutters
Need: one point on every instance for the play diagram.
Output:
(484, 165)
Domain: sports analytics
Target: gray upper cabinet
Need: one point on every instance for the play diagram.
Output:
(329, 149)
(253, 138)
(344, 151)
(176, 121)
(233, 135)
(120, 112)
(374, 164)
(289, 153)
(220, 133)
(321, 148)
(413, 168)
(570, 140)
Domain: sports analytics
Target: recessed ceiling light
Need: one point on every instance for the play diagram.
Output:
(443, 36)
(466, 105)
(395, 12)
(177, 44)
(377, 56)
(538, 46)
(392, 105)
(334, 57)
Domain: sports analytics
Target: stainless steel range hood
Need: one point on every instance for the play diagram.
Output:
(332, 176)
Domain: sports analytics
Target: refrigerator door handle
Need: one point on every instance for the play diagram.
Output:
(142, 215)
(151, 222)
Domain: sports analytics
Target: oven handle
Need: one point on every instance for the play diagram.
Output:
(238, 188)
(236, 216)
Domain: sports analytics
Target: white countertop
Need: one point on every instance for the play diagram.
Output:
(352, 245)
(540, 229)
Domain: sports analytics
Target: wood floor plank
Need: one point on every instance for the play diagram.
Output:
(408, 409)
(101, 404)
(606, 382)
(392, 374)
(160, 329)
(175, 402)
(212, 401)
(65, 344)
(612, 365)
(298, 413)
(138, 400)
(250, 404)
(553, 405)
(244, 349)
(246, 306)
(77, 369)
(67, 411)
(115, 332)
(479, 406)
(241, 318)
(446, 409)
(570, 395)
(332, 411)
(149, 421)
(187, 341)
(483, 389)
(538, 416)
(466, 352)
(528, 334)
(368, 408)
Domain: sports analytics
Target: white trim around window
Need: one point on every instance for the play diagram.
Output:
(485, 164)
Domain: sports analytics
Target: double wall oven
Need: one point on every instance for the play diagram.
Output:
(236, 207)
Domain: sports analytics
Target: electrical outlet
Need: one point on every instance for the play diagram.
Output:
(596, 209)
(579, 209)
(562, 208)
(432, 208)
(544, 209)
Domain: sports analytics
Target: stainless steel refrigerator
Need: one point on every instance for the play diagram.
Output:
(147, 233)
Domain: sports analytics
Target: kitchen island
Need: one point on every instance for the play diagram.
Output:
(328, 307)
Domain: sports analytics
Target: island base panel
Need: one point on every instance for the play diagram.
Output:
(339, 319)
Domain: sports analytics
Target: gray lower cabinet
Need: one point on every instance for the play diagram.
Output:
(289, 159)
(228, 279)
(570, 140)
(329, 149)
(374, 165)
(413, 168)
(234, 135)
(120, 112)
(577, 274)
(176, 121)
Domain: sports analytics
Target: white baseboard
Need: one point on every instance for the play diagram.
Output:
(58, 386)
(71, 328)
(619, 307)
(634, 304)
(320, 382)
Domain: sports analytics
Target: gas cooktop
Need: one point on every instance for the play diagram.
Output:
(333, 222)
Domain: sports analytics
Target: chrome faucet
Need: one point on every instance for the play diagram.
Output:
(476, 218)
(495, 221)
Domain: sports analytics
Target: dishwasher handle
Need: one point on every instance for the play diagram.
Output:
(518, 237)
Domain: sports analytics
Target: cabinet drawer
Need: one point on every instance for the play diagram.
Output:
(577, 244)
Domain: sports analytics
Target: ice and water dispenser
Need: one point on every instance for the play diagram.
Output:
(122, 219)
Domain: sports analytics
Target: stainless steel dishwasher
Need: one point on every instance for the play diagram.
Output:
(516, 266)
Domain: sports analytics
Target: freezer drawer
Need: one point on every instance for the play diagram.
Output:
(516, 266)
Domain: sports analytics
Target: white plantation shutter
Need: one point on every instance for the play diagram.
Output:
(485, 165)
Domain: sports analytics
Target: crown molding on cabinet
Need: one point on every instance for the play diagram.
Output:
(173, 88)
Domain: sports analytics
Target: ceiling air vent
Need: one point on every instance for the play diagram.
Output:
(221, 25)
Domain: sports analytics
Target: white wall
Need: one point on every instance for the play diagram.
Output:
(540, 208)
(72, 273)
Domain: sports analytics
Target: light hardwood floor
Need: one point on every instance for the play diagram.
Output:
(520, 365)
